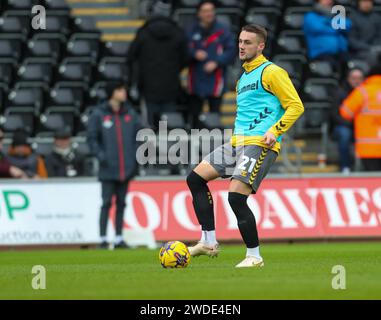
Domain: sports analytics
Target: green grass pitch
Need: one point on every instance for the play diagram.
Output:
(292, 271)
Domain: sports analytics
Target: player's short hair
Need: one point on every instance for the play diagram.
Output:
(260, 31)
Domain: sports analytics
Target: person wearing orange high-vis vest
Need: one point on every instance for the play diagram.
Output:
(363, 106)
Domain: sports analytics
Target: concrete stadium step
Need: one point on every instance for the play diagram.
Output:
(317, 169)
(128, 37)
(109, 11)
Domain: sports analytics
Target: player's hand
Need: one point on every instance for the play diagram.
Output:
(269, 139)
(210, 66)
(201, 55)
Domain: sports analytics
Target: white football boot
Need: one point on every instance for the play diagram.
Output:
(251, 261)
(203, 249)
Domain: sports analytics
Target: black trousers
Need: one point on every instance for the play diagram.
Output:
(195, 107)
(119, 190)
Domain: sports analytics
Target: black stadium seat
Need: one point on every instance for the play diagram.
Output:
(57, 21)
(67, 94)
(56, 4)
(85, 24)
(20, 118)
(76, 69)
(291, 41)
(27, 94)
(185, 17)
(265, 17)
(58, 118)
(300, 3)
(294, 17)
(11, 45)
(6, 69)
(319, 89)
(116, 48)
(36, 69)
(322, 69)
(15, 21)
(46, 45)
(22, 4)
(292, 63)
(113, 69)
(83, 45)
(266, 3)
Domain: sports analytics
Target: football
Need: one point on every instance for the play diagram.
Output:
(174, 254)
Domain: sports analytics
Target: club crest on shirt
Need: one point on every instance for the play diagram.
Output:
(196, 37)
(107, 122)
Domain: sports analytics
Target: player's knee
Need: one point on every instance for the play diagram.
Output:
(238, 202)
(195, 181)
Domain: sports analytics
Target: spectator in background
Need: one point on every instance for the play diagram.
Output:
(363, 106)
(157, 55)
(323, 41)
(343, 129)
(211, 48)
(365, 35)
(112, 132)
(64, 161)
(6, 169)
(21, 155)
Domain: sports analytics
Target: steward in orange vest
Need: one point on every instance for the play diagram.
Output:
(363, 106)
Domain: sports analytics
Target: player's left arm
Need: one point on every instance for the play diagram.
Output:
(277, 81)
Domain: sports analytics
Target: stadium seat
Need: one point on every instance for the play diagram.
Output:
(359, 63)
(231, 4)
(322, 69)
(57, 21)
(27, 94)
(211, 120)
(116, 48)
(22, 4)
(231, 17)
(56, 4)
(46, 45)
(315, 115)
(67, 94)
(43, 145)
(83, 45)
(266, 17)
(291, 41)
(6, 69)
(36, 69)
(300, 3)
(85, 24)
(20, 118)
(3, 93)
(76, 69)
(174, 120)
(97, 93)
(294, 17)
(265, 3)
(319, 89)
(58, 118)
(15, 21)
(185, 17)
(293, 63)
(11, 45)
(112, 69)
(188, 3)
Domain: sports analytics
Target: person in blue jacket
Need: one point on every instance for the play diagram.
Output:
(211, 48)
(324, 42)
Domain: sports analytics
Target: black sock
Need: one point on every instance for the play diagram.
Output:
(245, 219)
(202, 201)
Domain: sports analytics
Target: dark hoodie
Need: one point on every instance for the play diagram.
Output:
(159, 54)
(365, 31)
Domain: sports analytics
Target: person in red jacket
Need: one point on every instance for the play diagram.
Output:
(6, 169)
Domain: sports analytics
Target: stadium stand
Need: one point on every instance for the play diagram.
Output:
(52, 78)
